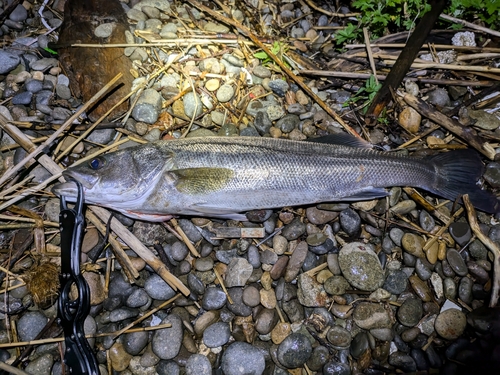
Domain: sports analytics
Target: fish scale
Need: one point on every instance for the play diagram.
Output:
(225, 176)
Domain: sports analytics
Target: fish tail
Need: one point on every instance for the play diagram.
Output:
(457, 173)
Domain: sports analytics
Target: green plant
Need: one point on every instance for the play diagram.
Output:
(366, 93)
(278, 49)
(486, 10)
(349, 33)
(379, 15)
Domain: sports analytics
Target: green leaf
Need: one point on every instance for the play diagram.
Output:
(260, 55)
(51, 51)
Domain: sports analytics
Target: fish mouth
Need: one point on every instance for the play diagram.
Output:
(69, 188)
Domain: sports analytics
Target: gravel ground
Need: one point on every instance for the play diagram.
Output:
(372, 287)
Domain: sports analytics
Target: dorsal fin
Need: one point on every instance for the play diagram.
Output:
(342, 139)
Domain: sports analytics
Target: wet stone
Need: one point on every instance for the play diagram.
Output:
(402, 361)
(396, 235)
(396, 282)
(426, 221)
(449, 288)
(138, 298)
(294, 350)
(216, 334)
(23, 98)
(319, 217)
(404, 207)
(450, 324)
(421, 288)
(268, 257)
(8, 62)
(465, 290)
(456, 262)
(262, 122)
(350, 222)
(359, 345)
(167, 368)
(336, 285)
(371, 315)
(361, 266)
(251, 296)
(122, 313)
(339, 337)
(422, 269)
(410, 312)
(213, 299)
(30, 325)
(265, 321)
(204, 264)
(336, 368)
(241, 358)
(460, 232)
(318, 358)
(382, 334)
(287, 123)
(40, 365)
(413, 244)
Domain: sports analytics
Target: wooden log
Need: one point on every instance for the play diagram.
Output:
(404, 61)
(89, 69)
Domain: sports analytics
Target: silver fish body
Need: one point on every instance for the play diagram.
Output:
(224, 176)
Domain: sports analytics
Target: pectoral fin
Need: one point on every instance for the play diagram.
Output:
(195, 181)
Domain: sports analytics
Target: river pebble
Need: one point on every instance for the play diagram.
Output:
(241, 358)
(361, 266)
(166, 342)
(294, 351)
(450, 324)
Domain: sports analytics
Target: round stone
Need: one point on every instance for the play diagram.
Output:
(456, 262)
(212, 84)
(225, 93)
(157, 288)
(410, 312)
(213, 299)
(413, 244)
(241, 358)
(339, 337)
(450, 324)
(216, 335)
(166, 342)
(336, 285)
(294, 351)
(198, 364)
(371, 315)
(396, 282)
(361, 266)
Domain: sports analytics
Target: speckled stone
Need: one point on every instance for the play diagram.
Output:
(450, 324)
(361, 266)
(294, 351)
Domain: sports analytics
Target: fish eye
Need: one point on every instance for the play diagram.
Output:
(96, 163)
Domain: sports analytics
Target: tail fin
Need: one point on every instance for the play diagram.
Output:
(457, 174)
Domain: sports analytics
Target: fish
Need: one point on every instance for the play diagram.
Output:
(224, 177)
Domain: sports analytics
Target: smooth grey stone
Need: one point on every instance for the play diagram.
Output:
(167, 368)
(238, 272)
(179, 251)
(396, 235)
(359, 344)
(438, 97)
(166, 342)
(410, 312)
(402, 361)
(249, 131)
(190, 230)
(30, 325)
(336, 285)
(253, 256)
(460, 232)
(294, 230)
(422, 269)
(465, 290)
(238, 307)
(233, 60)
(146, 112)
(44, 64)
(213, 299)
(319, 357)
(450, 288)
(8, 62)
(198, 364)
(426, 221)
(119, 287)
(279, 87)
(122, 313)
(43, 97)
(192, 103)
(60, 113)
(204, 264)
(138, 298)
(135, 342)
(101, 136)
(13, 24)
(294, 350)
(262, 72)
(23, 98)
(241, 358)
(477, 250)
(265, 321)
(216, 335)
(19, 14)
(195, 284)
(382, 334)
(33, 85)
(63, 92)
(492, 174)
(456, 262)
(157, 288)
(396, 282)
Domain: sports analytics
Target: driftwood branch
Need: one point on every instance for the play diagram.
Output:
(491, 245)
(466, 133)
